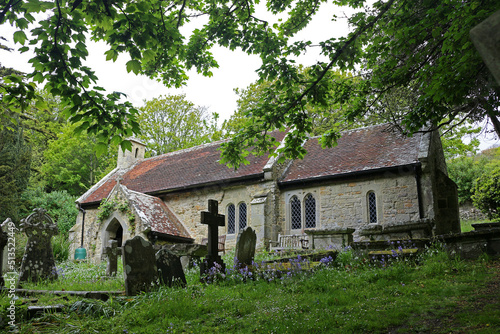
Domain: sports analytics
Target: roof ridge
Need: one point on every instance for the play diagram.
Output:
(184, 150)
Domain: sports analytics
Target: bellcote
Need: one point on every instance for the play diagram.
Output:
(128, 158)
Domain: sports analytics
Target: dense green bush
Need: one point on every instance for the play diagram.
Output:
(59, 205)
(487, 194)
(465, 171)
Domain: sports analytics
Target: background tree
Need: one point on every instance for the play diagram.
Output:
(171, 123)
(467, 170)
(71, 162)
(15, 158)
(487, 194)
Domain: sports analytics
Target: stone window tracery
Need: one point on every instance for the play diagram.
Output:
(295, 213)
(242, 216)
(310, 211)
(231, 219)
(372, 208)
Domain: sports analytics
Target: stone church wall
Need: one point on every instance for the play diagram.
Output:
(344, 204)
(97, 232)
(189, 204)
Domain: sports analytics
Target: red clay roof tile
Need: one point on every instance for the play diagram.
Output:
(196, 166)
(358, 150)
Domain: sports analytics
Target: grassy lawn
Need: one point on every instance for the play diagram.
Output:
(431, 294)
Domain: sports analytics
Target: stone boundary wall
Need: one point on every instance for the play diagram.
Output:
(469, 212)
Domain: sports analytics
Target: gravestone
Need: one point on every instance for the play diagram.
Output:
(245, 247)
(38, 260)
(170, 268)
(112, 252)
(213, 219)
(3, 242)
(139, 265)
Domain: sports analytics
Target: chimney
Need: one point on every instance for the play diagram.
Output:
(128, 158)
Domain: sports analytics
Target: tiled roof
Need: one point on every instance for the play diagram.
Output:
(359, 150)
(156, 215)
(196, 166)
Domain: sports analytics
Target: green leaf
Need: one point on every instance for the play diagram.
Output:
(20, 37)
(134, 66)
(111, 55)
(148, 55)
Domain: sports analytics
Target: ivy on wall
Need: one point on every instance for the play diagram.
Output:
(107, 207)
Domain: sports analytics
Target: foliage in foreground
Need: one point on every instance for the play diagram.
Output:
(351, 295)
(444, 71)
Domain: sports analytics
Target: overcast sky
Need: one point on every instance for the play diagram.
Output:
(237, 69)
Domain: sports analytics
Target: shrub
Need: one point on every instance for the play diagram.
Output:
(60, 247)
(487, 194)
(465, 171)
(59, 205)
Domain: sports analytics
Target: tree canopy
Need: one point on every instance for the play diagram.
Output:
(171, 123)
(420, 45)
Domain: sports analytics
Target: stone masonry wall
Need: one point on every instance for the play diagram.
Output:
(344, 204)
(95, 230)
(188, 206)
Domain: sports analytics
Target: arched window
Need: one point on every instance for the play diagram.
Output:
(136, 152)
(242, 216)
(310, 211)
(295, 213)
(231, 217)
(372, 208)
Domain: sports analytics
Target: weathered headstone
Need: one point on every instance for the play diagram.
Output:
(112, 252)
(3, 242)
(245, 247)
(139, 265)
(170, 270)
(213, 219)
(38, 260)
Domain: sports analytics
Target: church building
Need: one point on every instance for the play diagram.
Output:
(373, 180)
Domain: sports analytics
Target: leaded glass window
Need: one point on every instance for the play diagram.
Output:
(372, 207)
(310, 211)
(231, 216)
(242, 216)
(295, 213)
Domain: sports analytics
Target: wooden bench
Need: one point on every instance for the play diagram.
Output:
(221, 245)
(289, 241)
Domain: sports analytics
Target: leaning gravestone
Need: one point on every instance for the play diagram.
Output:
(38, 260)
(245, 247)
(139, 265)
(213, 219)
(112, 252)
(170, 268)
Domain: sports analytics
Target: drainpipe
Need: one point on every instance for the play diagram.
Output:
(418, 170)
(83, 222)
(81, 253)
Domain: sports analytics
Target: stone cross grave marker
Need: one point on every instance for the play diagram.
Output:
(38, 260)
(112, 252)
(213, 219)
(139, 265)
(245, 247)
(3, 241)
(170, 269)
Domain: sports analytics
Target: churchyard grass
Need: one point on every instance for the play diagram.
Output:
(466, 225)
(81, 276)
(431, 293)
